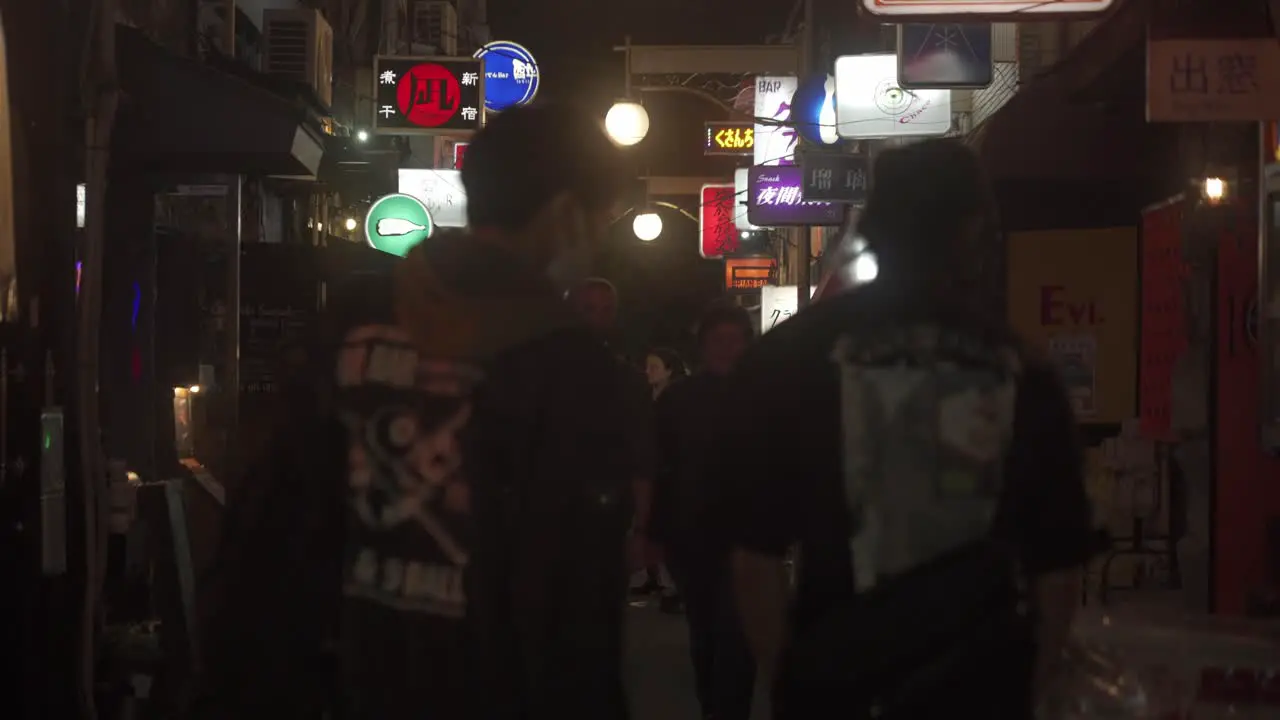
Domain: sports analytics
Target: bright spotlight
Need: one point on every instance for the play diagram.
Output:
(647, 226)
(351, 224)
(362, 136)
(865, 268)
(626, 123)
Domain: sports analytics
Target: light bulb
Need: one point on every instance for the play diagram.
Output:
(627, 122)
(647, 226)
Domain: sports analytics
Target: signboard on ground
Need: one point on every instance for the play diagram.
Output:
(427, 95)
(1213, 80)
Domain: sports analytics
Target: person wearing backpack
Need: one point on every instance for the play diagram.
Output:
(462, 552)
(921, 463)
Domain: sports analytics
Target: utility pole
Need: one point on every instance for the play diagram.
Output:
(801, 235)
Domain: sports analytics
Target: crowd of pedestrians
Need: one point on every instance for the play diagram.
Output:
(455, 515)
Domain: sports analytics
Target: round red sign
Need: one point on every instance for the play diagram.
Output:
(428, 95)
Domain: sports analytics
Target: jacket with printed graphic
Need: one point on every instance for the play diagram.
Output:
(538, 442)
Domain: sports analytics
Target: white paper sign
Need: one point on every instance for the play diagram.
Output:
(741, 192)
(775, 144)
(1213, 80)
(441, 191)
(870, 103)
(777, 303)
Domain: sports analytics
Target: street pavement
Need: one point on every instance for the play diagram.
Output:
(659, 676)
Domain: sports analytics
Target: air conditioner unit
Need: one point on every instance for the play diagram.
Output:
(298, 44)
(435, 24)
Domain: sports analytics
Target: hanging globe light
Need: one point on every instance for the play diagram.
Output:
(627, 123)
(647, 226)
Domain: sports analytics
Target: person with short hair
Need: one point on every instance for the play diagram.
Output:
(924, 463)
(457, 551)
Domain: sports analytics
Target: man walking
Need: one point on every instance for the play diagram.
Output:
(474, 434)
(924, 463)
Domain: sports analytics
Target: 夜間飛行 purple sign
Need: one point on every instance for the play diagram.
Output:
(776, 200)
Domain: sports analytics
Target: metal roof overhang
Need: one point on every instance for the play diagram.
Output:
(1054, 129)
(181, 116)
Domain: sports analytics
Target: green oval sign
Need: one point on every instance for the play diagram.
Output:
(396, 223)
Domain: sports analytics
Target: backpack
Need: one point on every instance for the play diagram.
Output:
(940, 619)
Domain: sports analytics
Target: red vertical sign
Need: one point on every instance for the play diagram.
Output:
(1163, 324)
(717, 235)
(459, 154)
(1247, 482)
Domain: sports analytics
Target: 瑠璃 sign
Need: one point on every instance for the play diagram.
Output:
(510, 75)
(776, 199)
(440, 191)
(750, 273)
(396, 223)
(428, 96)
(835, 177)
(774, 143)
(717, 233)
(945, 9)
(1213, 80)
(730, 138)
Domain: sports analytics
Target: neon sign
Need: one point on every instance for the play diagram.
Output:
(730, 138)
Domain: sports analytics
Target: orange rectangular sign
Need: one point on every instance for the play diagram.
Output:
(747, 273)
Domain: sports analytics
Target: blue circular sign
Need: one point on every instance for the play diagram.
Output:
(510, 75)
(813, 110)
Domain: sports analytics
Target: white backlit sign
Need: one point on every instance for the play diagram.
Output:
(870, 103)
(441, 191)
(741, 188)
(777, 304)
(775, 144)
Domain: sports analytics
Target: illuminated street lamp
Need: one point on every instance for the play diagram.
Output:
(647, 226)
(627, 123)
(1214, 189)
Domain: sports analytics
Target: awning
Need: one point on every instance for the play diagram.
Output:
(1050, 129)
(179, 115)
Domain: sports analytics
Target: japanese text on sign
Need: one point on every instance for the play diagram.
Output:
(1211, 80)
(718, 235)
(425, 95)
(730, 138)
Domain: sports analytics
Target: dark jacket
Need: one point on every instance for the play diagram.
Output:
(690, 417)
(536, 442)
